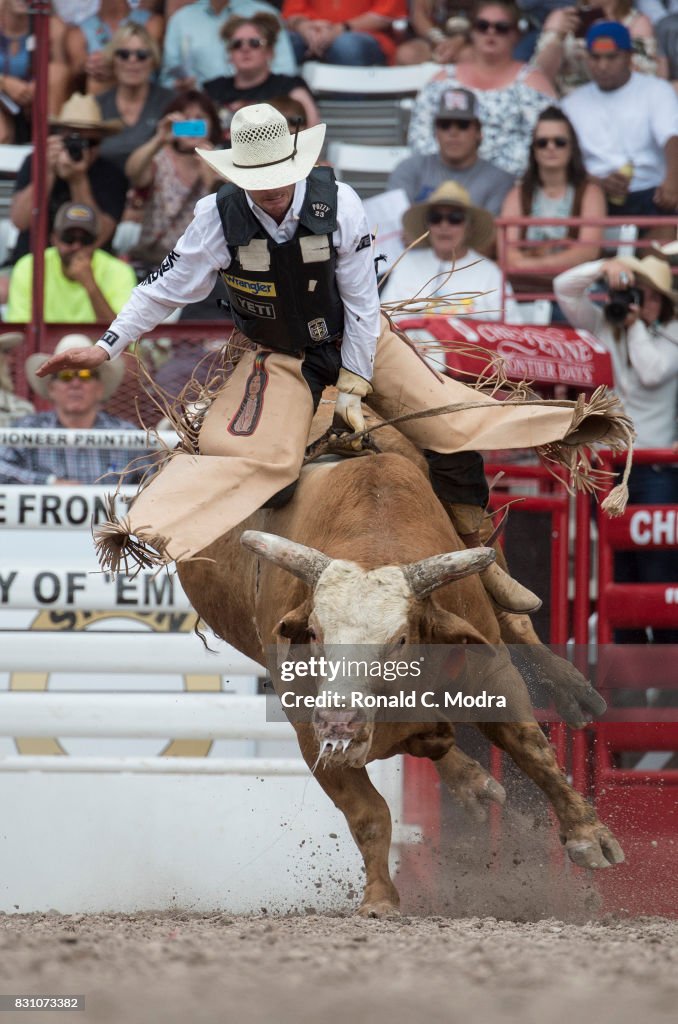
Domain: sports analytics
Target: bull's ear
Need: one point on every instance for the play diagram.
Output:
(293, 625)
(439, 626)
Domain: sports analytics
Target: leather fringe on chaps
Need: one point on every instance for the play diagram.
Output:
(253, 436)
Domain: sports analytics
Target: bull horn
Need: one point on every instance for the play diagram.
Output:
(306, 563)
(430, 573)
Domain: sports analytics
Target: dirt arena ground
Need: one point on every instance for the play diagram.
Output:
(180, 968)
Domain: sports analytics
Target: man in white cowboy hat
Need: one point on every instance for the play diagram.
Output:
(640, 330)
(447, 262)
(11, 406)
(77, 397)
(293, 247)
(83, 284)
(75, 172)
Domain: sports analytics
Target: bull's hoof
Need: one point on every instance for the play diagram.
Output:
(478, 794)
(379, 909)
(594, 847)
(579, 705)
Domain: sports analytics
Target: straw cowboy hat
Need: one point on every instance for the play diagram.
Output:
(110, 373)
(10, 340)
(479, 223)
(83, 113)
(654, 272)
(264, 155)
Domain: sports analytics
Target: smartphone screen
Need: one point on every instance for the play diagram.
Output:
(195, 129)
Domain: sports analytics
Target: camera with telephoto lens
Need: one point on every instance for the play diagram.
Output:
(619, 301)
(75, 146)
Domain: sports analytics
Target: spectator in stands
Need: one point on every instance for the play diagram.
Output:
(86, 42)
(135, 99)
(438, 31)
(664, 17)
(194, 52)
(17, 85)
(354, 32)
(510, 95)
(642, 339)
(561, 47)
(458, 134)
(172, 177)
(11, 406)
(83, 284)
(634, 159)
(75, 171)
(250, 43)
(77, 397)
(555, 185)
(447, 264)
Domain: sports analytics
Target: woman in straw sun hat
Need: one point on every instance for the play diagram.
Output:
(642, 339)
(293, 247)
(446, 262)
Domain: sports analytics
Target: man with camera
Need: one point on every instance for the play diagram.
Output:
(75, 172)
(638, 325)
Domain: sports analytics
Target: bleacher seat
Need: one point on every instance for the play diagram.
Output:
(366, 105)
(365, 168)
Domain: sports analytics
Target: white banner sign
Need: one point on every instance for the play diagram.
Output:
(72, 588)
(59, 437)
(75, 508)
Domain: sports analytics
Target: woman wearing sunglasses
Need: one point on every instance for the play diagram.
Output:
(554, 186)
(250, 43)
(86, 43)
(510, 95)
(446, 264)
(135, 99)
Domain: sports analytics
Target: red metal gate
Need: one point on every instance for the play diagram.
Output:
(623, 762)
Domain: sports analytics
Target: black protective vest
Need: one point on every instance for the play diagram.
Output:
(284, 295)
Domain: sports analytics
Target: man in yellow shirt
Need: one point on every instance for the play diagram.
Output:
(82, 284)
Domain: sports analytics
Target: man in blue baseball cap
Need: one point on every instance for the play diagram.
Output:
(627, 126)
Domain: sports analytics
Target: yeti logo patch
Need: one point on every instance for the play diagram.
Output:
(320, 209)
(318, 329)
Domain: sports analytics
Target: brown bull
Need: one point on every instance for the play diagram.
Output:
(365, 554)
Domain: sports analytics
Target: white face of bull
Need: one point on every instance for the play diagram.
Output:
(354, 608)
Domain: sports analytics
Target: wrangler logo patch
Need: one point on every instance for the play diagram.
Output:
(241, 284)
(364, 242)
(248, 413)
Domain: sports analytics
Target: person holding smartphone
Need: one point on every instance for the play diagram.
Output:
(561, 48)
(170, 177)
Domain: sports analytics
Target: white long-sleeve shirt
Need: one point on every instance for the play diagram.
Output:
(190, 271)
(472, 284)
(644, 360)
